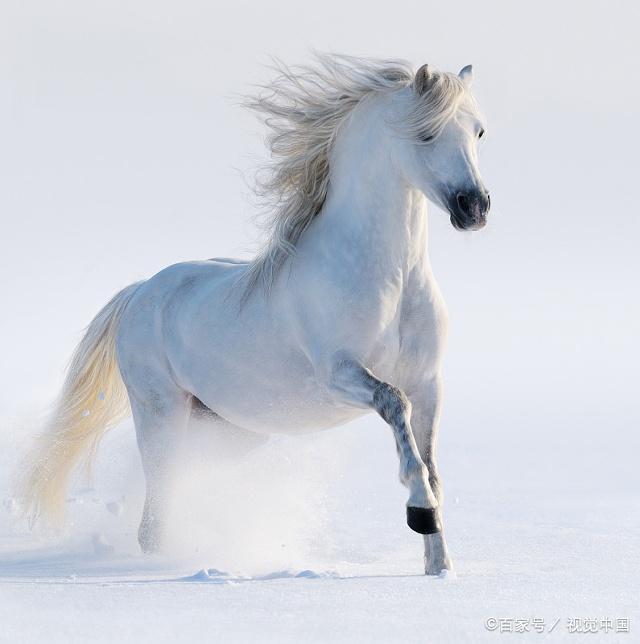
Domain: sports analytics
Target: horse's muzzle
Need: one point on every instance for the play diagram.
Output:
(469, 210)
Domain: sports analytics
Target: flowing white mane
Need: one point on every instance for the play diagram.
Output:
(303, 108)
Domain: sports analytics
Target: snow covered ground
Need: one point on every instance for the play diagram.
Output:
(305, 541)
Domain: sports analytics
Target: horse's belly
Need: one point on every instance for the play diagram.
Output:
(255, 377)
(286, 404)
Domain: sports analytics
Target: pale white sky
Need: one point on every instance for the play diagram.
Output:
(123, 150)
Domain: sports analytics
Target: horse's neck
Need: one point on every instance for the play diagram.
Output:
(371, 212)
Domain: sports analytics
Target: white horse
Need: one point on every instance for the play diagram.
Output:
(339, 315)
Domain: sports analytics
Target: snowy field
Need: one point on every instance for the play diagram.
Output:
(123, 151)
(306, 541)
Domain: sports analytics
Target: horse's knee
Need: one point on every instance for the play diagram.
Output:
(391, 403)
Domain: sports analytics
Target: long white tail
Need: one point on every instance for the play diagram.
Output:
(93, 400)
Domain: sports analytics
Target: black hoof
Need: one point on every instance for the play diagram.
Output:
(423, 521)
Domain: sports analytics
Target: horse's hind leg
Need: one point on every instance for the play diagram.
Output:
(160, 414)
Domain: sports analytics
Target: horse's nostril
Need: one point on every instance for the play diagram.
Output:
(488, 201)
(463, 202)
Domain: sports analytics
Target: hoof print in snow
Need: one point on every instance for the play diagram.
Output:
(423, 520)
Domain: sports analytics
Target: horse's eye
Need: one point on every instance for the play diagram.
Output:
(481, 133)
(425, 138)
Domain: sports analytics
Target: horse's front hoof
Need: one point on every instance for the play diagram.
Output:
(423, 520)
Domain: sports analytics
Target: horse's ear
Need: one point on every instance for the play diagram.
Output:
(423, 80)
(466, 75)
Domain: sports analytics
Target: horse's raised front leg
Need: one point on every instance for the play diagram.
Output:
(160, 415)
(426, 402)
(355, 384)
